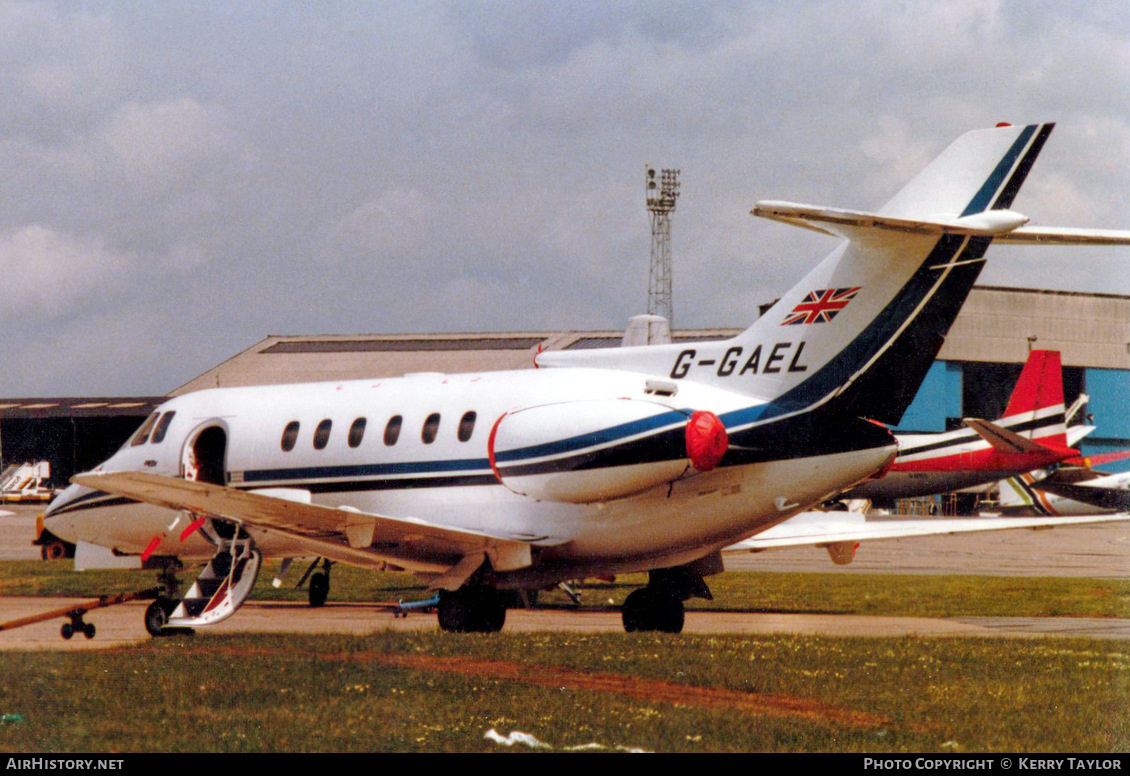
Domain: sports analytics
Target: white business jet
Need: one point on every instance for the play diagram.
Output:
(649, 458)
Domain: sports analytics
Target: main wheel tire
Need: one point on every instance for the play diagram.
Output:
(455, 613)
(319, 589)
(471, 610)
(67, 630)
(649, 609)
(491, 612)
(636, 611)
(669, 614)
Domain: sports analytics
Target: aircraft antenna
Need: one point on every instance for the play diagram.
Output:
(661, 196)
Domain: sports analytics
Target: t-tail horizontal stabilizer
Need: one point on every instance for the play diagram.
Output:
(1006, 441)
(1004, 225)
(851, 224)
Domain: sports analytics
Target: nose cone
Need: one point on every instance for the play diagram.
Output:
(67, 499)
(63, 515)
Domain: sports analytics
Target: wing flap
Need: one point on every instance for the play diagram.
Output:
(339, 533)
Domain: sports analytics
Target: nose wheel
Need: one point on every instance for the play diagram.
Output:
(157, 615)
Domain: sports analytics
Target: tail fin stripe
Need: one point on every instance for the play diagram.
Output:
(983, 199)
(1008, 194)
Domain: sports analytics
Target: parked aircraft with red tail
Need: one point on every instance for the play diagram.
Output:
(1031, 434)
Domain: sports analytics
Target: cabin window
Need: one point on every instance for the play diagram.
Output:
(467, 426)
(322, 434)
(142, 434)
(431, 428)
(163, 427)
(357, 432)
(392, 430)
(290, 436)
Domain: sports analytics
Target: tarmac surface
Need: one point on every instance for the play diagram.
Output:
(1084, 551)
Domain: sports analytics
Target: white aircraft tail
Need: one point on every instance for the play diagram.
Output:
(1017, 497)
(859, 332)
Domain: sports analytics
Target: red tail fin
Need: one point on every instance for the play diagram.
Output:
(1039, 395)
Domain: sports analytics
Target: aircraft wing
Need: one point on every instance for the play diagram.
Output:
(841, 531)
(337, 533)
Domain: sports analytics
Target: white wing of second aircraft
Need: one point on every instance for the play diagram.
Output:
(841, 532)
(347, 535)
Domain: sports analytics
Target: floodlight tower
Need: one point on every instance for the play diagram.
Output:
(661, 196)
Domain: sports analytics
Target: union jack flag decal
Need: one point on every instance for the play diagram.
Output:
(821, 306)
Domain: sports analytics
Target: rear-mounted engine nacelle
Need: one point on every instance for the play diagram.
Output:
(587, 451)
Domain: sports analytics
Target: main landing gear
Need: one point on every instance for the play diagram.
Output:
(471, 609)
(659, 606)
(650, 609)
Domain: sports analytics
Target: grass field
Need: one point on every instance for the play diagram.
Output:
(431, 691)
(434, 692)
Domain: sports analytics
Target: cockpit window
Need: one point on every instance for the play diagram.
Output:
(163, 427)
(142, 434)
(290, 436)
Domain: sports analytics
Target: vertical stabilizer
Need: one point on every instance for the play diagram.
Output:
(1036, 408)
(858, 333)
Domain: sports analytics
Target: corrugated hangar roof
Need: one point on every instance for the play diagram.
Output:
(80, 407)
(295, 359)
(1091, 330)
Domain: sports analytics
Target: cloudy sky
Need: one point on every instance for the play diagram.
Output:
(180, 180)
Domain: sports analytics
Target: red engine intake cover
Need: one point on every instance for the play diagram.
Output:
(707, 440)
